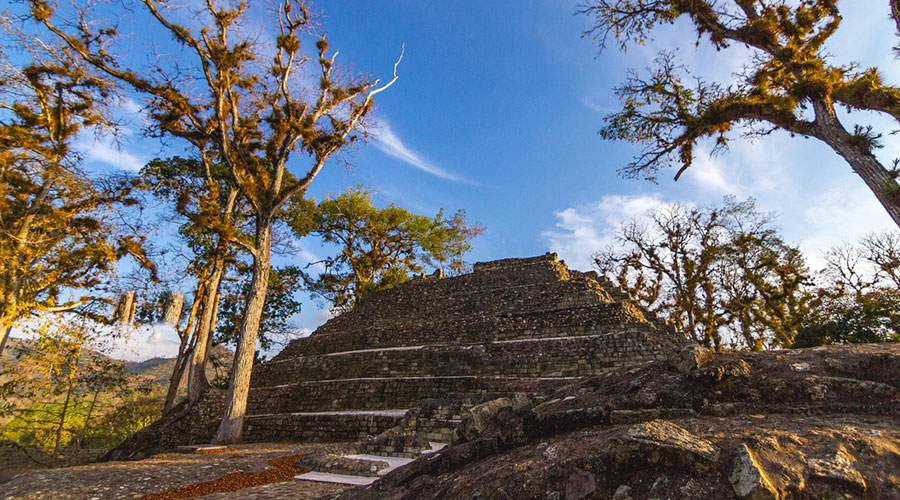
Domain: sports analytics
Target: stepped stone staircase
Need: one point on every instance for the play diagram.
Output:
(401, 370)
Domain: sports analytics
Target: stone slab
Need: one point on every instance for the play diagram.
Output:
(394, 462)
(325, 477)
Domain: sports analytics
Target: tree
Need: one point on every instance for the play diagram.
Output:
(860, 297)
(186, 329)
(61, 381)
(378, 248)
(251, 112)
(789, 84)
(133, 412)
(208, 230)
(850, 319)
(871, 264)
(57, 236)
(201, 193)
(719, 274)
(281, 306)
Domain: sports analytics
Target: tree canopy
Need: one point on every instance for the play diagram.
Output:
(58, 235)
(852, 319)
(789, 82)
(860, 297)
(721, 275)
(214, 218)
(378, 247)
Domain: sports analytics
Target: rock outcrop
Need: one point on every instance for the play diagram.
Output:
(811, 423)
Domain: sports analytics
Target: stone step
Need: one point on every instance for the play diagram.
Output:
(401, 449)
(376, 393)
(406, 302)
(355, 479)
(436, 446)
(343, 464)
(599, 319)
(579, 356)
(320, 426)
(326, 477)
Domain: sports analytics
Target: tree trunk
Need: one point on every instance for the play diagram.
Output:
(197, 382)
(62, 420)
(209, 340)
(4, 331)
(172, 309)
(185, 349)
(175, 379)
(879, 180)
(87, 418)
(231, 428)
(125, 310)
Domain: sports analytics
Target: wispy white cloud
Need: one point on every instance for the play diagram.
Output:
(813, 219)
(582, 231)
(820, 201)
(146, 342)
(133, 112)
(306, 255)
(844, 212)
(709, 174)
(592, 104)
(747, 168)
(392, 145)
(322, 316)
(129, 105)
(137, 343)
(103, 149)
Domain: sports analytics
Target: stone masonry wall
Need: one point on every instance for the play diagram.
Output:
(542, 356)
(383, 393)
(500, 289)
(15, 456)
(310, 428)
(422, 303)
(606, 318)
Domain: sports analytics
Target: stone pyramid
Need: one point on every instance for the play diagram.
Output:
(439, 346)
(512, 326)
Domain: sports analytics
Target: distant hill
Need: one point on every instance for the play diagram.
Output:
(23, 417)
(158, 370)
(153, 371)
(15, 347)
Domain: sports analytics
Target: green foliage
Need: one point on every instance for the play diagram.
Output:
(199, 191)
(58, 389)
(865, 138)
(85, 426)
(378, 247)
(130, 414)
(848, 319)
(789, 81)
(253, 109)
(861, 299)
(280, 307)
(721, 275)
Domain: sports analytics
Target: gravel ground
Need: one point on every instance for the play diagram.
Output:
(134, 480)
(279, 491)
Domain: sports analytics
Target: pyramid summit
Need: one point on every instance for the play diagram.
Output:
(424, 352)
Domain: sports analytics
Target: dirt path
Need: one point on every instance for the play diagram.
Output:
(134, 480)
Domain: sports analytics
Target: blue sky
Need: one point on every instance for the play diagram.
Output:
(497, 109)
